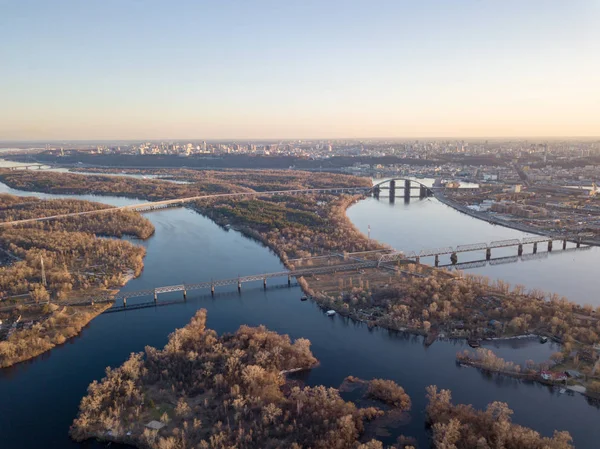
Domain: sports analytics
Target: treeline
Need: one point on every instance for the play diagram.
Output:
(259, 180)
(220, 393)
(462, 427)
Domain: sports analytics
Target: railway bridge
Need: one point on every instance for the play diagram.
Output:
(239, 281)
(487, 247)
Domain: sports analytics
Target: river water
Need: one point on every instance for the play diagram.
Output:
(39, 399)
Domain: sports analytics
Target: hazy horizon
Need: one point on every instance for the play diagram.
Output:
(307, 139)
(265, 70)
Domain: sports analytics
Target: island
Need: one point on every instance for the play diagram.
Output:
(208, 391)
(50, 271)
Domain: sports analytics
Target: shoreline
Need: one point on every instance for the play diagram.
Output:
(95, 310)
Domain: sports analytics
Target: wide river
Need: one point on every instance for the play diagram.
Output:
(39, 399)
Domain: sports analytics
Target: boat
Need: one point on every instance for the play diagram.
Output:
(304, 298)
(543, 339)
(330, 312)
(474, 343)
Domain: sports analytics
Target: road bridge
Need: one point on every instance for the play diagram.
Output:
(27, 167)
(179, 202)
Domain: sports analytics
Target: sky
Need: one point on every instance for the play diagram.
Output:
(229, 69)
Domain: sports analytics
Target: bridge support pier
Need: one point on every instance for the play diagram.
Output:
(453, 258)
(239, 286)
(124, 302)
(407, 190)
(488, 253)
(392, 191)
(535, 248)
(422, 192)
(376, 192)
(212, 289)
(184, 295)
(437, 260)
(549, 245)
(289, 281)
(579, 242)
(155, 297)
(520, 249)
(564, 244)
(418, 260)
(265, 283)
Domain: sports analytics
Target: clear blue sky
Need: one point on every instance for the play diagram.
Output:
(91, 69)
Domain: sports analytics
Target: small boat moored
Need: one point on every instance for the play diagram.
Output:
(304, 298)
(543, 339)
(330, 312)
(474, 343)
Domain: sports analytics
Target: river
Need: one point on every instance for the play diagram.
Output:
(427, 223)
(39, 399)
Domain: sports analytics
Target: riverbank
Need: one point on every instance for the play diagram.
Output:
(36, 332)
(439, 195)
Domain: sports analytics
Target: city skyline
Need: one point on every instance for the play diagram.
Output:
(341, 70)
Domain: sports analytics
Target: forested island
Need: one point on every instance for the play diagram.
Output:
(206, 391)
(50, 269)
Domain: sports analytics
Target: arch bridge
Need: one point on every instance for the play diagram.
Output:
(405, 184)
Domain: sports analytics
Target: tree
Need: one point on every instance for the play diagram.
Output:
(40, 294)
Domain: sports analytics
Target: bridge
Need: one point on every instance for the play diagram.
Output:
(510, 259)
(144, 207)
(27, 167)
(239, 281)
(404, 184)
(487, 247)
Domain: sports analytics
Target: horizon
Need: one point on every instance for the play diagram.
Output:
(466, 139)
(111, 70)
